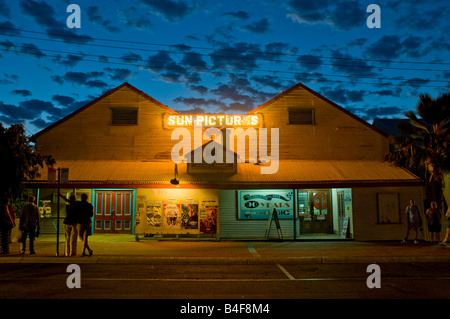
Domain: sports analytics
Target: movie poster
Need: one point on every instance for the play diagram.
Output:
(208, 215)
(189, 215)
(153, 212)
(172, 216)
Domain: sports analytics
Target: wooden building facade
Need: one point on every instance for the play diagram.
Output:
(328, 178)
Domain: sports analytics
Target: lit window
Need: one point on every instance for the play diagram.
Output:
(301, 116)
(124, 116)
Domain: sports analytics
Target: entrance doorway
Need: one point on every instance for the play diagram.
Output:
(314, 209)
(113, 211)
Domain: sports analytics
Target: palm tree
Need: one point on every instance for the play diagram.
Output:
(424, 144)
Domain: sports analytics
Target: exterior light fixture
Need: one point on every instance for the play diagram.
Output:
(175, 180)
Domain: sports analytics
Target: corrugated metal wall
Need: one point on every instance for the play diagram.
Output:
(233, 228)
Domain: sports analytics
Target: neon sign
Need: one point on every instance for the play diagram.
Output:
(213, 120)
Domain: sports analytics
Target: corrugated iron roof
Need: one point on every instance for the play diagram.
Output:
(289, 172)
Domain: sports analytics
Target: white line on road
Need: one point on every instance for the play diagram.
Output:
(252, 250)
(286, 272)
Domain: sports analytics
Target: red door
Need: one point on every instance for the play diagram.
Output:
(113, 212)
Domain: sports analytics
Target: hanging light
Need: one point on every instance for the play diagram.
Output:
(175, 180)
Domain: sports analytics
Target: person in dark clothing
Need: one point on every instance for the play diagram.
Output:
(6, 225)
(29, 224)
(434, 221)
(85, 212)
(70, 223)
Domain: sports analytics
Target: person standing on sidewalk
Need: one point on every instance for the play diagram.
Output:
(413, 220)
(85, 212)
(434, 221)
(447, 231)
(29, 224)
(6, 225)
(70, 222)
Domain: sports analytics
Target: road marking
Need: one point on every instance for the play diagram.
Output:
(286, 272)
(252, 250)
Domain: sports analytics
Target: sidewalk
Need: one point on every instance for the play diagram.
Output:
(125, 249)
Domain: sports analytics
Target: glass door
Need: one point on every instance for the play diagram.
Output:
(314, 209)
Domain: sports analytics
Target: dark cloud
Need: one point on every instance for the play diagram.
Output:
(277, 48)
(391, 47)
(309, 62)
(9, 79)
(417, 17)
(343, 15)
(81, 78)
(341, 95)
(237, 14)
(63, 99)
(170, 10)
(21, 92)
(119, 74)
(261, 26)
(131, 58)
(273, 82)
(69, 60)
(239, 55)
(348, 15)
(162, 64)
(27, 111)
(8, 45)
(7, 27)
(199, 89)
(95, 15)
(134, 18)
(32, 49)
(198, 102)
(4, 9)
(349, 65)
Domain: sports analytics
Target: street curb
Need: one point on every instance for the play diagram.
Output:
(219, 261)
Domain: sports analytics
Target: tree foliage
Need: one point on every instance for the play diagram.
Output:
(19, 161)
(423, 143)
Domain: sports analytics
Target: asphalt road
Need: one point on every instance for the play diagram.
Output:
(273, 281)
(233, 290)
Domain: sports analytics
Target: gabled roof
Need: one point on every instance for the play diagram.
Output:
(126, 84)
(300, 85)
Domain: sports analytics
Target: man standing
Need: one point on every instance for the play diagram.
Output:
(29, 224)
(413, 220)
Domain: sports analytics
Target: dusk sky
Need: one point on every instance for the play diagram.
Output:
(220, 56)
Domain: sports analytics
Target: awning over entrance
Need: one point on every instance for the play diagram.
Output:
(290, 174)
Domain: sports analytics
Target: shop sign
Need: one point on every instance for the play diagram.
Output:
(259, 204)
(213, 120)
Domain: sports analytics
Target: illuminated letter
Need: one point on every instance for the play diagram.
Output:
(217, 147)
(188, 120)
(274, 150)
(199, 120)
(220, 119)
(374, 20)
(184, 145)
(237, 120)
(374, 280)
(171, 120)
(228, 120)
(74, 280)
(255, 120)
(74, 20)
